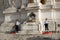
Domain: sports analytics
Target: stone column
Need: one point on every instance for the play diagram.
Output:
(41, 28)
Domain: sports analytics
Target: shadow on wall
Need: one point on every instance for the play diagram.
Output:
(2, 18)
(40, 38)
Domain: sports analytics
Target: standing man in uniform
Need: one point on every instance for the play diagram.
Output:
(46, 24)
(17, 26)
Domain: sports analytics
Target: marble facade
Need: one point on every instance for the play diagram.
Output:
(49, 10)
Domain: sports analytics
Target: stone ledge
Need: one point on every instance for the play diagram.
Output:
(10, 10)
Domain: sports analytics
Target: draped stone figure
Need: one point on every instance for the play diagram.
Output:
(25, 3)
(17, 3)
(5, 3)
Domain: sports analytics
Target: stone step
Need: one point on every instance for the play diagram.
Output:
(6, 27)
(29, 32)
(27, 36)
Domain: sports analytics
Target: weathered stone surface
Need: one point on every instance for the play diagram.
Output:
(10, 10)
(28, 37)
(6, 27)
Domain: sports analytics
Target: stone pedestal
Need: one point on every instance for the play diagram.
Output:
(8, 13)
(10, 16)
